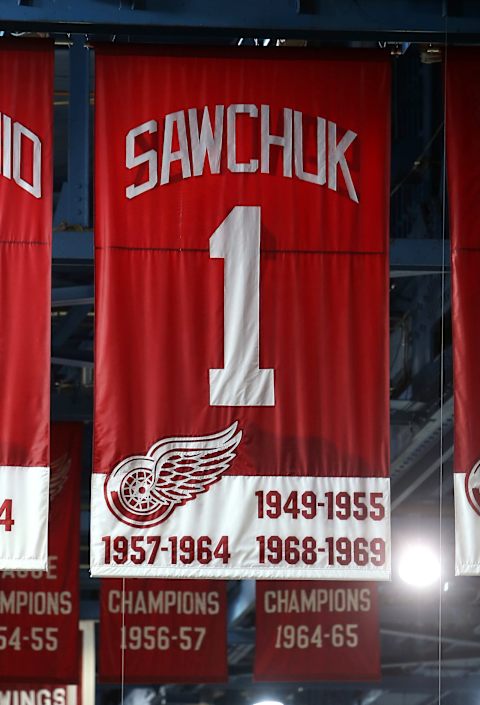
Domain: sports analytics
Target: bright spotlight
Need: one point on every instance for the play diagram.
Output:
(419, 566)
(268, 702)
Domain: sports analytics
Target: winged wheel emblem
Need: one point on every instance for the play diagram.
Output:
(472, 486)
(144, 490)
(59, 469)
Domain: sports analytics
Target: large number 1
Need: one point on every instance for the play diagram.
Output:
(241, 382)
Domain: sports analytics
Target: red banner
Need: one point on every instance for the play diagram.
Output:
(26, 90)
(462, 95)
(39, 611)
(314, 630)
(173, 630)
(241, 412)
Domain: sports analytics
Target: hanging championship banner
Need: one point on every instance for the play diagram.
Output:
(39, 695)
(313, 630)
(173, 630)
(241, 410)
(39, 611)
(463, 146)
(26, 90)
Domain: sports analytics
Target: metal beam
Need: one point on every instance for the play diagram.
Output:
(402, 20)
(69, 324)
(71, 361)
(243, 604)
(73, 203)
(414, 257)
(72, 245)
(72, 296)
(426, 438)
(417, 636)
(421, 478)
(414, 683)
(470, 662)
(79, 133)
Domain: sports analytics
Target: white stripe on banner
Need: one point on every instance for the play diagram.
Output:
(467, 531)
(269, 527)
(24, 517)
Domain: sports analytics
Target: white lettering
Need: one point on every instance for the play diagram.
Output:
(7, 147)
(42, 696)
(336, 156)
(27, 697)
(232, 112)
(150, 157)
(168, 156)
(163, 602)
(284, 142)
(206, 142)
(35, 187)
(12, 155)
(114, 601)
(35, 603)
(321, 176)
(290, 601)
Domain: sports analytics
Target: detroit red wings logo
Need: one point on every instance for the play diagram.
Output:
(472, 487)
(145, 490)
(59, 469)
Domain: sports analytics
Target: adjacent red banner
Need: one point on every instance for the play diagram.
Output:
(241, 412)
(39, 611)
(163, 630)
(26, 90)
(314, 630)
(463, 145)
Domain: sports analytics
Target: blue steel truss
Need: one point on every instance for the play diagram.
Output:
(382, 20)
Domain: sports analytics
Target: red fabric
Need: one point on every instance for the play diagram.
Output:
(39, 611)
(463, 143)
(26, 86)
(324, 264)
(183, 639)
(317, 630)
